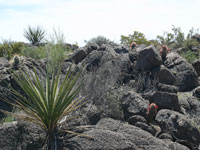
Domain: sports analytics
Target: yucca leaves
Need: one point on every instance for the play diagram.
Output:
(35, 35)
(46, 104)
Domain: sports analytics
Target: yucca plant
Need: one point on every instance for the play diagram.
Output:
(35, 35)
(46, 104)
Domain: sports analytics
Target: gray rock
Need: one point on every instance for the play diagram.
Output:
(133, 104)
(196, 65)
(121, 50)
(148, 58)
(164, 75)
(196, 92)
(181, 128)
(166, 136)
(186, 76)
(9, 136)
(79, 55)
(111, 134)
(165, 100)
(136, 118)
(167, 88)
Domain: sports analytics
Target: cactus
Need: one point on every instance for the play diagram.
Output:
(151, 112)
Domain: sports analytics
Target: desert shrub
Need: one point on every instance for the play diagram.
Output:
(190, 56)
(9, 49)
(100, 40)
(137, 37)
(54, 53)
(177, 38)
(35, 35)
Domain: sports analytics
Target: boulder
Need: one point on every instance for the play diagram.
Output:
(133, 104)
(90, 47)
(196, 92)
(166, 88)
(164, 75)
(148, 58)
(112, 134)
(121, 50)
(9, 136)
(186, 76)
(196, 65)
(165, 100)
(180, 127)
(78, 55)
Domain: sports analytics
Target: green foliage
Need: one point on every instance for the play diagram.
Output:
(46, 104)
(9, 118)
(8, 49)
(190, 56)
(54, 53)
(100, 40)
(137, 37)
(35, 35)
(177, 38)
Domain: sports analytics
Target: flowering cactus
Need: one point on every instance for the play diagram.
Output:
(164, 50)
(151, 112)
(133, 45)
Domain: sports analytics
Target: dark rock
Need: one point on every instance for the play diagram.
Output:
(146, 127)
(79, 55)
(9, 136)
(165, 100)
(196, 92)
(186, 76)
(110, 134)
(133, 104)
(121, 50)
(3, 62)
(91, 47)
(167, 88)
(181, 128)
(133, 56)
(148, 58)
(164, 75)
(166, 136)
(196, 65)
(136, 118)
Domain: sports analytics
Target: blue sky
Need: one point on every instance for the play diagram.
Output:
(81, 20)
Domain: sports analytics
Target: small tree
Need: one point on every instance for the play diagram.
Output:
(137, 37)
(35, 35)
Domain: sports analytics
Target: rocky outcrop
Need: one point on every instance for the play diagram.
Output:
(186, 76)
(148, 58)
(182, 129)
(118, 84)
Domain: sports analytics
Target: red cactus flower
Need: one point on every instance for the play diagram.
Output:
(133, 45)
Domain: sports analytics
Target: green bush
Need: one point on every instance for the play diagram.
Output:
(190, 56)
(100, 40)
(9, 49)
(137, 37)
(54, 53)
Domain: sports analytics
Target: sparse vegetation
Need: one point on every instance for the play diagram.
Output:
(9, 48)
